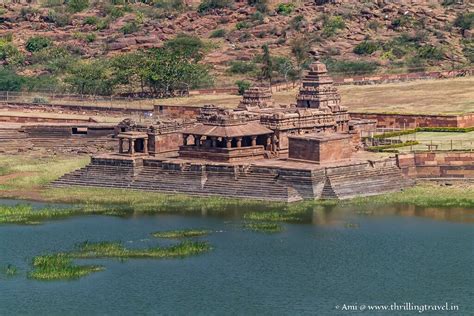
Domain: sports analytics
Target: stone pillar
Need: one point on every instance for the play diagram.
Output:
(228, 142)
(213, 142)
(254, 140)
(132, 147)
(120, 145)
(269, 143)
(185, 139)
(239, 142)
(145, 145)
(197, 140)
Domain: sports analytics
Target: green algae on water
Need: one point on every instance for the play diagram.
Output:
(183, 233)
(263, 227)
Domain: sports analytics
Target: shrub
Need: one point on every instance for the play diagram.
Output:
(374, 25)
(257, 17)
(366, 48)
(52, 3)
(242, 86)
(464, 21)
(40, 100)
(218, 33)
(129, 28)
(60, 19)
(415, 64)
(242, 25)
(468, 49)
(37, 43)
(77, 5)
(91, 37)
(298, 22)
(242, 67)
(402, 21)
(331, 25)
(91, 20)
(260, 5)
(10, 81)
(103, 24)
(285, 8)
(430, 52)
(177, 5)
(10, 54)
(390, 148)
(207, 5)
(351, 67)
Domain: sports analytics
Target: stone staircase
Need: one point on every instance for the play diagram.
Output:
(79, 144)
(251, 182)
(13, 140)
(98, 176)
(363, 180)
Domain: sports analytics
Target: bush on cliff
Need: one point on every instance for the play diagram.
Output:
(207, 5)
(37, 43)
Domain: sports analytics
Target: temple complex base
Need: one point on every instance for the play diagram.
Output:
(266, 179)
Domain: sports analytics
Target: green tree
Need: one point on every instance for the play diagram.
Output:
(242, 86)
(10, 81)
(88, 77)
(300, 47)
(285, 68)
(187, 46)
(267, 65)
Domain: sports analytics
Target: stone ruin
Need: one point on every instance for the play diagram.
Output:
(303, 151)
(256, 98)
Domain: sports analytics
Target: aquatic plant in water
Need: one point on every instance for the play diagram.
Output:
(183, 233)
(9, 270)
(263, 227)
(60, 266)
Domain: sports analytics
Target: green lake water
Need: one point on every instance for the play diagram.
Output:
(382, 256)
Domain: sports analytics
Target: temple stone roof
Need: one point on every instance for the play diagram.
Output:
(243, 129)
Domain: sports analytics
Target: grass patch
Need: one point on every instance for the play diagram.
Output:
(263, 227)
(424, 195)
(60, 266)
(276, 216)
(184, 233)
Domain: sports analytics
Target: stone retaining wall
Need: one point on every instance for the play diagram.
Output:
(239, 180)
(417, 120)
(437, 164)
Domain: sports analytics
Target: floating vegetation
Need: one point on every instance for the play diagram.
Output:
(263, 227)
(183, 233)
(60, 266)
(117, 250)
(9, 270)
(276, 216)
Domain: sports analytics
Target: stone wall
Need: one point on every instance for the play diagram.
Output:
(320, 149)
(244, 180)
(72, 109)
(180, 111)
(417, 120)
(164, 143)
(437, 164)
(37, 119)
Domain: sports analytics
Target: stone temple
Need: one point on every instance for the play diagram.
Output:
(259, 150)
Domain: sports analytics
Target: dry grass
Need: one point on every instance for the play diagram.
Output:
(449, 96)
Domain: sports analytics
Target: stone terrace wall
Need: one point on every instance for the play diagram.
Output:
(73, 109)
(240, 181)
(417, 120)
(437, 164)
(181, 111)
(36, 119)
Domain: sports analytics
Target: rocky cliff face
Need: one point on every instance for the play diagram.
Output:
(335, 27)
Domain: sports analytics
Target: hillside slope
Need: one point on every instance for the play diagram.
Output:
(395, 37)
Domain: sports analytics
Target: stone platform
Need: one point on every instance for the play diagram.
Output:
(266, 179)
